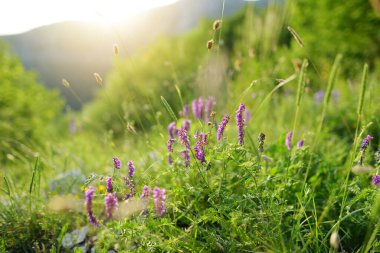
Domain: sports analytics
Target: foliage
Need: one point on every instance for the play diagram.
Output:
(334, 23)
(26, 107)
(133, 85)
(262, 195)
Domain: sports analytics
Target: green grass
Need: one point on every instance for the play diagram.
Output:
(241, 198)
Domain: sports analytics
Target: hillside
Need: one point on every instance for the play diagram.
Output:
(75, 50)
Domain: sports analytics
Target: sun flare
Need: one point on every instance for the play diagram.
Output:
(19, 16)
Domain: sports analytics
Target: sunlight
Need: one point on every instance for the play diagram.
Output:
(19, 16)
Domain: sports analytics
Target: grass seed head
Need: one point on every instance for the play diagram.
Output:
(210, 44)
(65, 83)
(217, 24)
(98, 79)
(296, 36)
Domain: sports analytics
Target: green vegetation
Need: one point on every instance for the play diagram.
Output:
(27, 109)
(270, 194)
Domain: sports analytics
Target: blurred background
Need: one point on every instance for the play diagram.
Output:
(143, 50)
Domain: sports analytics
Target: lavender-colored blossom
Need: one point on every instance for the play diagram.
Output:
(222, 126)
(131, 169)
(319, 96)
(186, 111)
(194, 106)
(111, 204)
(186, 125)
(159, 200)
(335, 95)
(89, 196)
(171, 130)
(210, 102)
(300, 144)
(288, 140)
(201, 104)
(146, 192)
(72, 126)
(266, 158)
(365, 142)
(170, 145)
(184, 138)
(199, 148)
(376, 180)
(363, 148)
(186, 157)
(109, 184)
(197, 106)
(116, 163)
(170, 160)
(240, 123)
(261, 140)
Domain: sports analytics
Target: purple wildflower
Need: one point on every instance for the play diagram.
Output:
(170, 145)
(376, 180)
(110, 203)
(300, 144)
(186, 111)
(131, 169)
(171, 130)
(146, 192)
(261, 140)
(72, 127)
(170, 160)
(200, 107)
(288, 140)
(109, 184)
(199, 148)
(319, 96)
(365, 142)
(116, 163)
(89, 196)
(194, 106)
(222, 126)
(197, 106)
(186, 125)
(210, 102)
(186, 157)
(159, 200)
(184, 138)
(335, 95)
(364, 147)
(240, 123)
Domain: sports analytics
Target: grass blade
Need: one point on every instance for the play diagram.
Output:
(168, 108)
(363, 87)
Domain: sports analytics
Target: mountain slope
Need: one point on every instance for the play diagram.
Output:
(75, 50)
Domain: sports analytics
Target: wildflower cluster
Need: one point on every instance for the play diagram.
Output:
(202, 108)
(240, 123)
(222, 126)
(288, 141)
(199, 148)
(111, 201)
(89, 197)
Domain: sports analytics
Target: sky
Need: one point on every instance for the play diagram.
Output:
(18, 16)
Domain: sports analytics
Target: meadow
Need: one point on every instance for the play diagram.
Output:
(258, 132)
